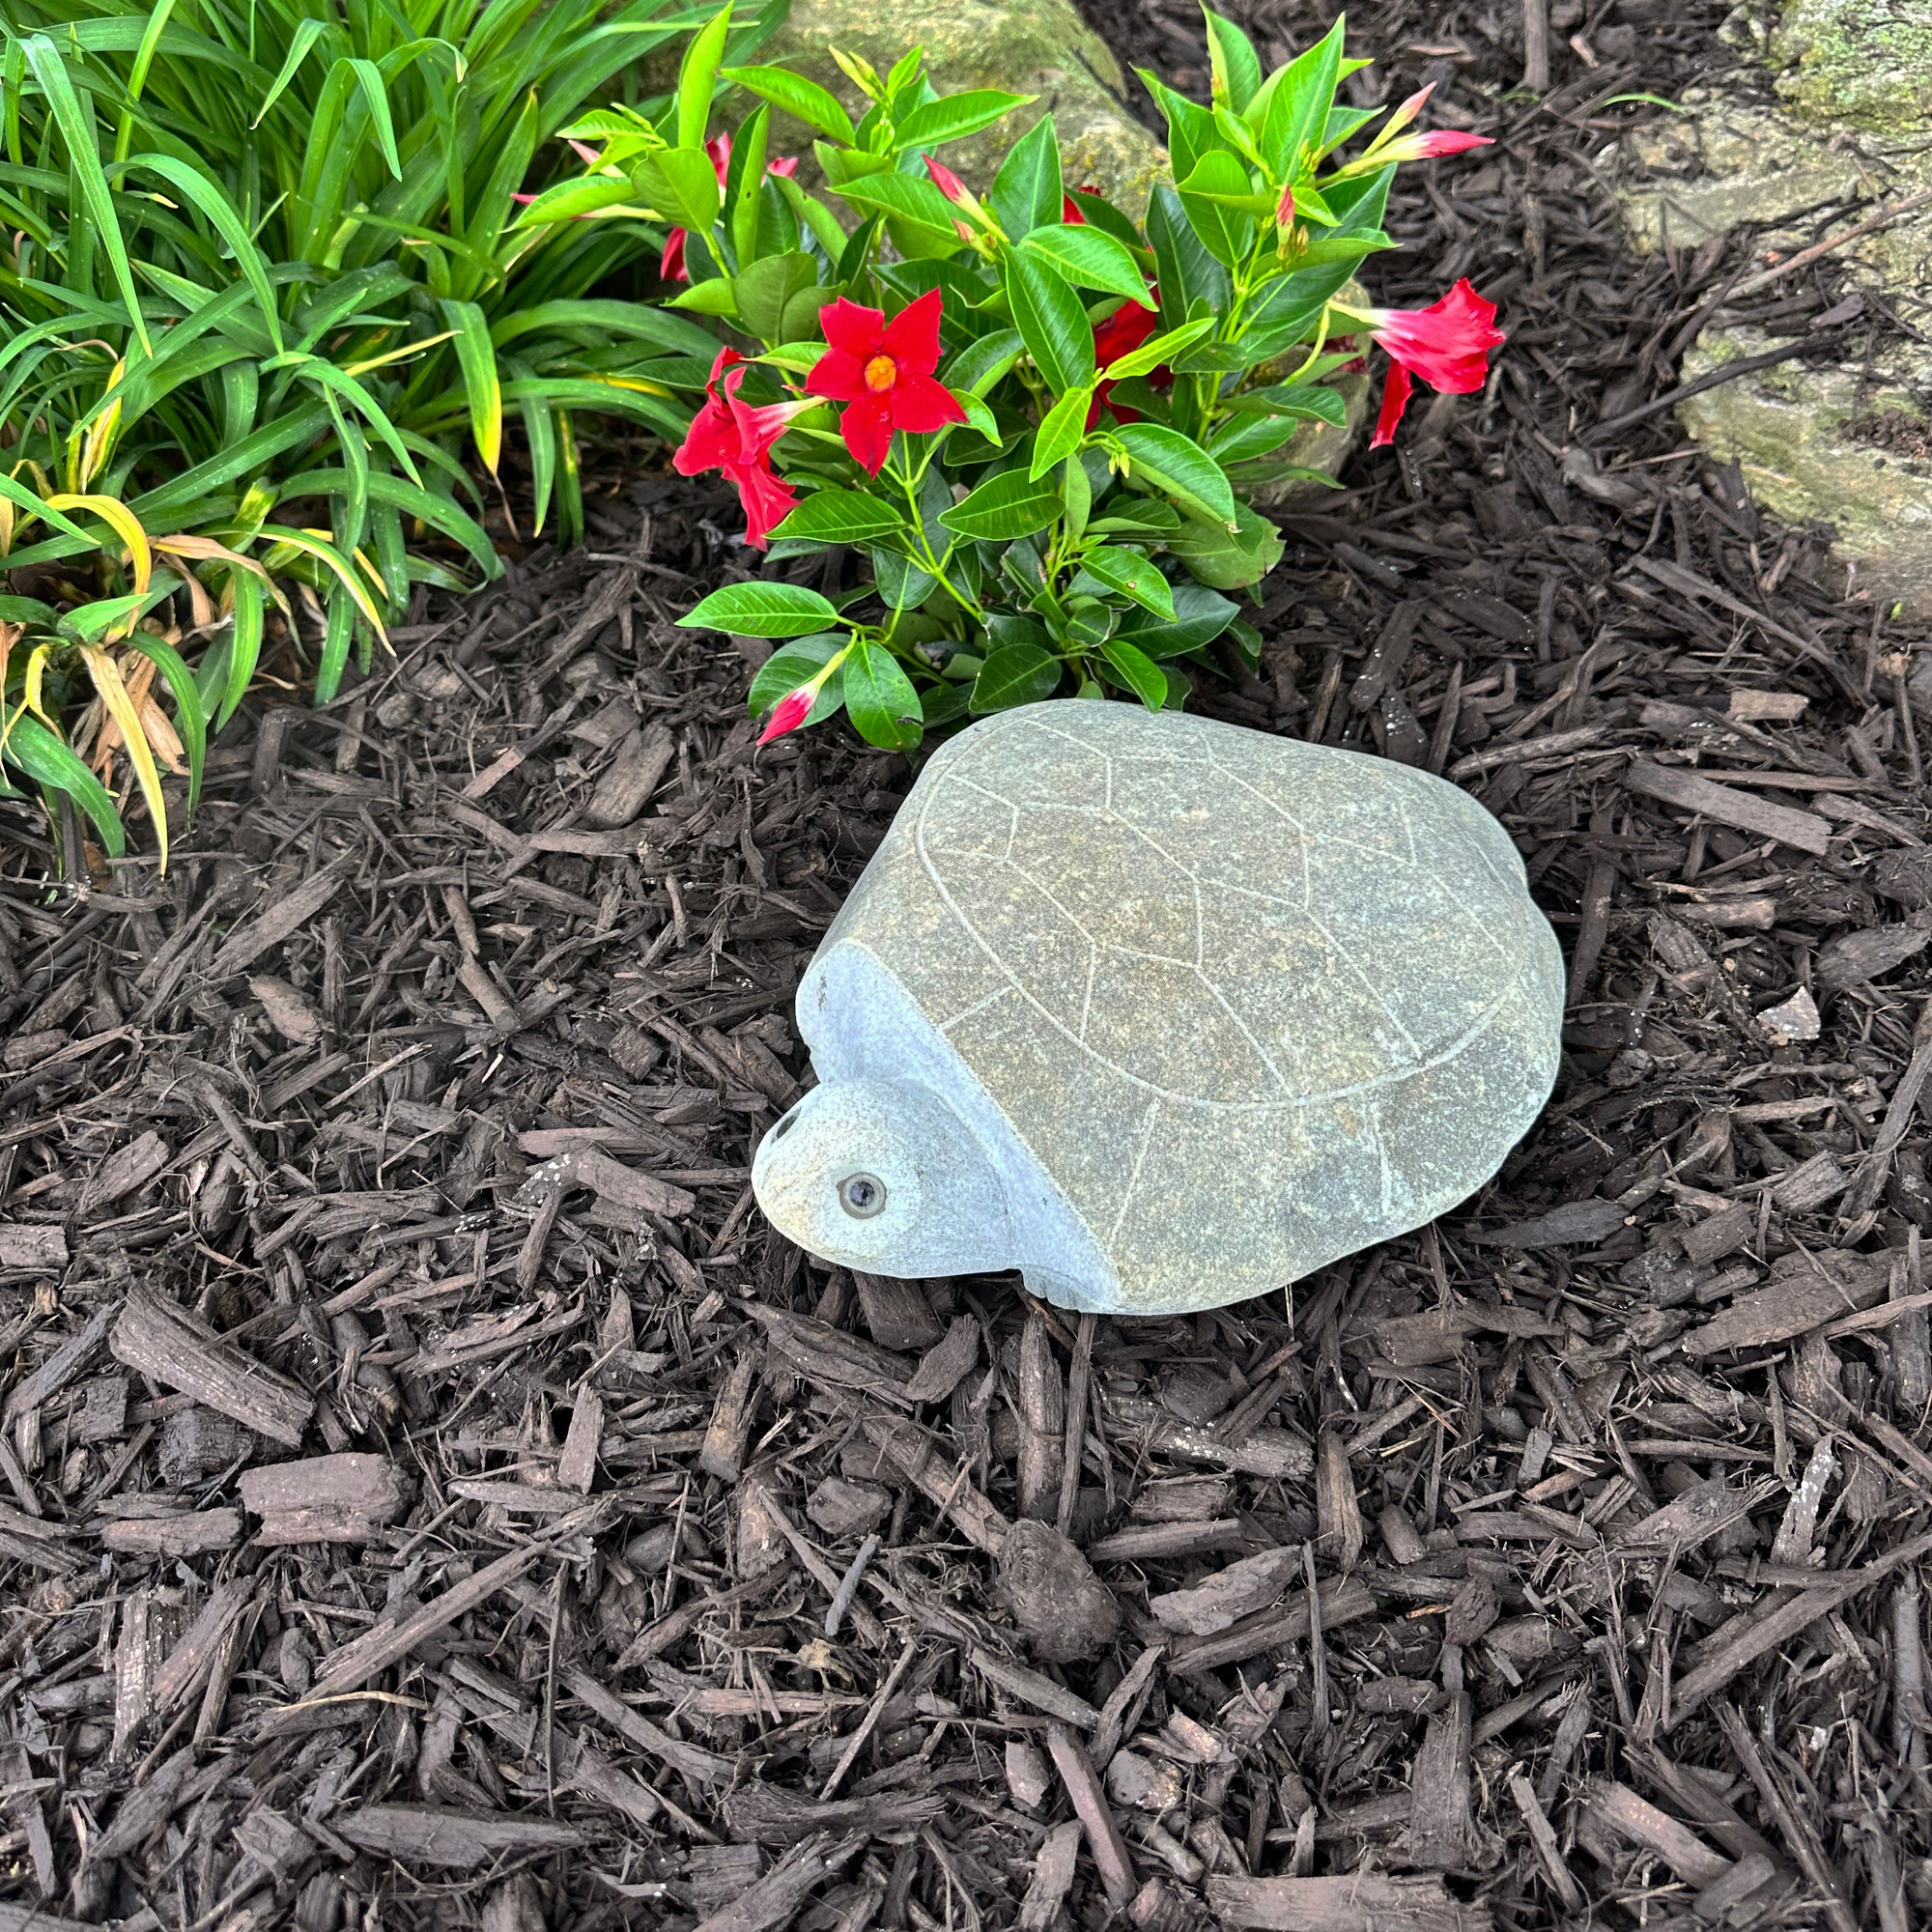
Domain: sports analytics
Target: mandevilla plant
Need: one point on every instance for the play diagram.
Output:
(1038, 420)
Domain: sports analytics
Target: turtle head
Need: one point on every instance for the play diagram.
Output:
(882, 1175)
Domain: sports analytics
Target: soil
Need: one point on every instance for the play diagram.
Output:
(432, 1494)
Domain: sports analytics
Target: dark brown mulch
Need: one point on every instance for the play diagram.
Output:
(406, 1123)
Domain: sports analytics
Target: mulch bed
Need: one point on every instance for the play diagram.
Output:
(430, 1494)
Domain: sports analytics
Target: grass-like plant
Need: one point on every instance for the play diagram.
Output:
(266, 281)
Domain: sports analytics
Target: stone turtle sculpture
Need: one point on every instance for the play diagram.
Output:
(1162, 1012)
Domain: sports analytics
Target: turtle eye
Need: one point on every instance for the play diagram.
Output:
(785, 1125)
(862, 1195)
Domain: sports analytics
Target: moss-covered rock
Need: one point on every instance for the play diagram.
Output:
(1849, 126)
(1040, 47)
(1829, 446)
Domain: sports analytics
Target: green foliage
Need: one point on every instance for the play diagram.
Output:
(1122, 386)
(272, 286)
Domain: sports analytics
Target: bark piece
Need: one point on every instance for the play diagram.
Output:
(1053, 1869)
(768, 1815)
(376, 1650)
(615, 1185)
(105, 1415)
(1805, 1292)
(1620, 1810)
(1223, 1599)
(175, 1533)
(1109, 1850)
(844, 1509)
(1041, 1405)
(124, 1170)
(776, 1897)
(65, 1362)
(41, 1250)
(1361, 1902)
(897, 1313)
(250, 941)
(1338, 1515)
(1727, 804)
(1028, 1778)
(1442, 1830)
(343, 1498)
(947, 1363)
(187, 1664)
(1030, 1686)
(166, 1343)
(635, 772)
(828, 1356)
(288, 1013)
(577, 1466)
(1054, 1596)
(198, 1443)
(1342, 1600)
(723, 1452)
(430, 1835)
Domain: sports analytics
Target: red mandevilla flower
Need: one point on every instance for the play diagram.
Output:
(883, 370)
(1120, 334)
(736, 437)
(672, 267)
(1447, 344)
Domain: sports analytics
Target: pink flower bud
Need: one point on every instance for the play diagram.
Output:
(1284, 208)
(948, 184)
(790, 712)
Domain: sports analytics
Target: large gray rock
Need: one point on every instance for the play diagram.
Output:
(1844, 444)
(1164, 1013)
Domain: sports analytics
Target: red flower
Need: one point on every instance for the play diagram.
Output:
(1069, 209)
(737, 437)
(671, 265)
(1447, 344)
(1120, 334)
(884, 370)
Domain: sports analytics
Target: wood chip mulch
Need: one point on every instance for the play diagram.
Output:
(430, 1496)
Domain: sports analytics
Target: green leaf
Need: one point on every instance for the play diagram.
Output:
(1236, 69)
(983, 362)
(762, 611)
(763, 290)
(839, 517)
(1156, 349)
(1015, 674)
(1200, 616)
(1180, 467)
(1143, 676)
(900, 584)
(49, 762)
(1187, 273)
(1027, 192)
(880, 700)
(1133, 576)
(76, 125)
(954, 115)
(1297, 113)
(682, 185)
(1005, 510)
(476, 356)
(1087, 258)
(694, 75)
(1214, 195)
(1227, 559)
(909, 199)
(1313, 401)
(1248, 436)
(1063, 432)
(1190, 128)
(717, 296)
(805, 100)
(1051, 321)
(795, 664)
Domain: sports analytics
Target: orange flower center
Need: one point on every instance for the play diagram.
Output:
(881, 373)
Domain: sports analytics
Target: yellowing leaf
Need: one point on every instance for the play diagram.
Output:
(120, 708)
(124, 525)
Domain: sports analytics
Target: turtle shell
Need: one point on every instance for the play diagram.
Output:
(1252, 1004)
